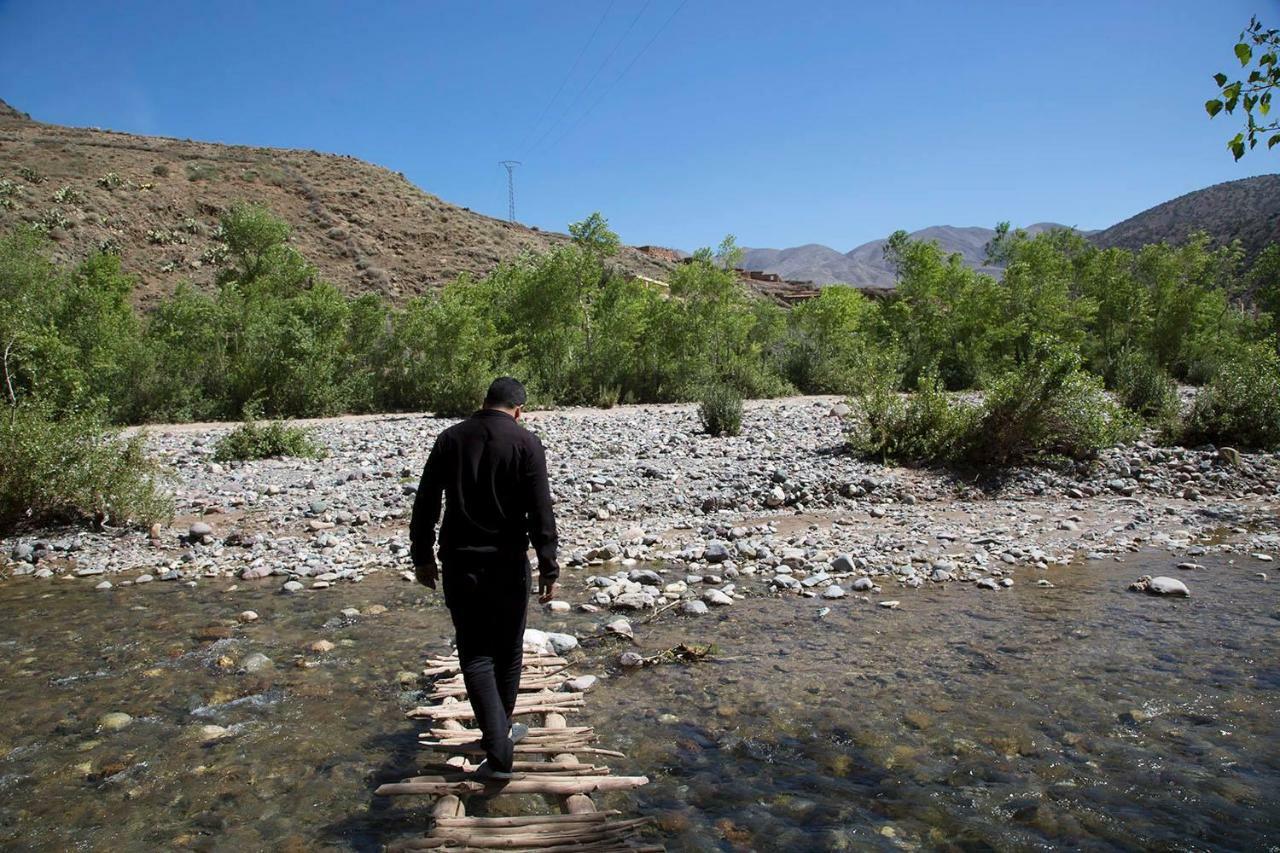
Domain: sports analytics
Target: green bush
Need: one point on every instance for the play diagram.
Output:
(922, 429)
(1241, 406)
(1045, 411)
(1144, 388)
(253, 440)
(110, 181)
(75, 469)
(202, 172)
(1042, 412)
(720, 410)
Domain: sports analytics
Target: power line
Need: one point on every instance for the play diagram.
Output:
(510, 166)
(583, 90)
(618, 79)
(565, 81)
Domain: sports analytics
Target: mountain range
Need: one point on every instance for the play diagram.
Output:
(1247, 210)
(156, 201)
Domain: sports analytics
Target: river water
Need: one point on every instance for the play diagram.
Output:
(1030, 718)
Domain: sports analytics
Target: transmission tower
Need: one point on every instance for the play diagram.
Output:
(510, 166)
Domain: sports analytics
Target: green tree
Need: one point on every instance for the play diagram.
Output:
(593, 235)
(1257, 47)
(253, 235)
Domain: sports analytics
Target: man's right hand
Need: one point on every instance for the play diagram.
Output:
(426, 572)
(546, 590)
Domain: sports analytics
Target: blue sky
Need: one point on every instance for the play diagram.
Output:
(782, 123)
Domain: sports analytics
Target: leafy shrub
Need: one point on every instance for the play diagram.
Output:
(720, 410)
(109, 246)
(160, 170)
(922, 429)
(252, 440)
(202, 172)
(1144, 388)
(75, 469)
(163, 237)
(68, 195)
(30, 175)
(1241, 406)
(52, 218)
(110, 181)
(1042, 412)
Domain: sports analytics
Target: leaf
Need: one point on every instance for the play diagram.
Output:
(1220, 79)
(1273, 141)
(1244, 53)
(1213, 107)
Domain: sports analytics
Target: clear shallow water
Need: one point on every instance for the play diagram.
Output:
(1082, 716)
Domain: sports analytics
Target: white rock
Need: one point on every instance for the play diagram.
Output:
(833, 591)
(1168, 586)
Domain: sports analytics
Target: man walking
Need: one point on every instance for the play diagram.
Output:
(492, 473)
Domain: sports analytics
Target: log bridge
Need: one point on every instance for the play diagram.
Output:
(556, 760)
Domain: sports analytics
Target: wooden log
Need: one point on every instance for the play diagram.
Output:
(530, 820)
(474, 748)
(524, 838)
(576, 803)
(461, 711)
(572, 769)
(450, 805)
(519, 784)
(485, 830)
(574, 847)
(534, 731)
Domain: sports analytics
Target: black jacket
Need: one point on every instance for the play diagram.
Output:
(493, 473)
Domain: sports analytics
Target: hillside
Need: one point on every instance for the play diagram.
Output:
(366, 228)
(1247, 210)
(864, 266)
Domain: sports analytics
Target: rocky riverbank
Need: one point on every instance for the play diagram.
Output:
(654, 513)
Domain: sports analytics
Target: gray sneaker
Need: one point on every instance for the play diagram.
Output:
(518, 732)
(484, 772)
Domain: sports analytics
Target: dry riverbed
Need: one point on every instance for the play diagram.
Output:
(652, 512)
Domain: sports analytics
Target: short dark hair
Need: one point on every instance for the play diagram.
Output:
(507, 392)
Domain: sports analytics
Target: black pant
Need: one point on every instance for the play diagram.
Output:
(488, 597)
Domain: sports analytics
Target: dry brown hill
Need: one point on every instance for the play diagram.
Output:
(1247, 210)
(158, 199)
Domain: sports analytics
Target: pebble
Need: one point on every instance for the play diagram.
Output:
(247, 616)
(891, 604)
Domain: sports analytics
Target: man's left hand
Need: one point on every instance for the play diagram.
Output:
(426, 572)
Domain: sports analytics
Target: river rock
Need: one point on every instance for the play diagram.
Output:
(717, 598)
(833, 591)
(581, 684)
(321, 647)
(199, 529)
(694, 608)
(562, 643)
(537, 642)
(292, 586)
(252, 573)
(1160, 586)
(105, 585)
(842, 564)
(114, 722)
(621, 628)
(630, 659)
(256, 662)
(863, 584)
(247, 616)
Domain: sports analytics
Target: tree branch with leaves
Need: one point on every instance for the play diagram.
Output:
(1257, 48)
